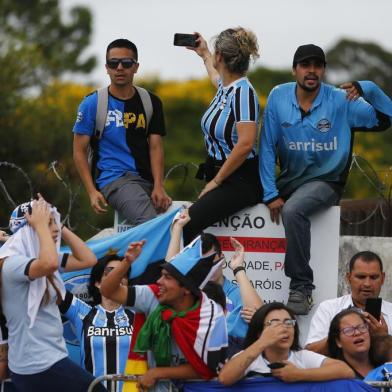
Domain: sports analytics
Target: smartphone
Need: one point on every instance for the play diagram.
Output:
(276, 365)
(373, 306)
(185, 40)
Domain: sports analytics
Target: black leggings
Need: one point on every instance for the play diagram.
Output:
(231, 196)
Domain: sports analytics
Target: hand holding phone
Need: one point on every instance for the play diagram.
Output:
(373, 307)
(276, 365)
(185, 40)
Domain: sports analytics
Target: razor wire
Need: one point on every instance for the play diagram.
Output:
(73, 193)
(383, 205)
(382, 190)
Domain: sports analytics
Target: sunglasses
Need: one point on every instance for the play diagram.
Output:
(125, 62)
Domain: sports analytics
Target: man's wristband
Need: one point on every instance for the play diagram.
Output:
(238, 269)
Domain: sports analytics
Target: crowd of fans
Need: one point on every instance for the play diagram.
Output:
(157, 330)
(192, 322)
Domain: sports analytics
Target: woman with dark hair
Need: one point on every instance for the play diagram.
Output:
(230, 126)
(271, 346)
(349, 341)
(106, 330)
(31, 289)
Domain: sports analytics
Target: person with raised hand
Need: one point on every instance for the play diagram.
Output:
(242, 300)
(31, 289)
(365, 278)
(230, 127)
(105, 329)
(272, 346)
(308, 129)
(185, 331)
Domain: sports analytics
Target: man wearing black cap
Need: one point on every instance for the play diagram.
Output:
(185, 331)
(309, 128)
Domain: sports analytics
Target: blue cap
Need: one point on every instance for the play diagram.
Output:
(191, 268)
(18, 219)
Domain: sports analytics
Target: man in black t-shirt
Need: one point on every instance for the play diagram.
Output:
(130, 151)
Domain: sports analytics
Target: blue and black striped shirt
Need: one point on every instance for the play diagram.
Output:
(237, 102)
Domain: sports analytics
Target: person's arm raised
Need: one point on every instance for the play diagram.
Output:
(111, 284)
(202, 50)
(249, 296)
(237, 366)
(175, 238)
(81, 257)
(46, 263)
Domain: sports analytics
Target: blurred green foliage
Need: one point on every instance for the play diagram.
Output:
(38, 109)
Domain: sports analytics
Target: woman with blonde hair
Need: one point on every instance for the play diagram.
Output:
(230, 127)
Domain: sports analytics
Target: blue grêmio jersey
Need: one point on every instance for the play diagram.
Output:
(232, 104)
(105, 337)
(316, 145)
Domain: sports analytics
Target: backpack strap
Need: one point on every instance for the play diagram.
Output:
(102, 110)
(147, 103)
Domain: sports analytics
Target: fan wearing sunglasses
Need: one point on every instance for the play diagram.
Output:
(349, 340)
(106, 330)
(128, 158)
(272, 347)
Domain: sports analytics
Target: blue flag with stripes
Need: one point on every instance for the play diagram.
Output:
(156, 232)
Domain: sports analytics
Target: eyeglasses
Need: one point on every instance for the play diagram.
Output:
(107, 270)
(125, 62)
(276, 322)
(350, 331)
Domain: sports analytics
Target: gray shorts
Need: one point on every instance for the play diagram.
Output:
(130, 195)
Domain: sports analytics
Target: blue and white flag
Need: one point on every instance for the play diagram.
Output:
(156, 232)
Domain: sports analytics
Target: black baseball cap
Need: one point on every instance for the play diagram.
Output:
(309, 51)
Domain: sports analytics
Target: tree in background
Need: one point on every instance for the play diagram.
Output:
(352, 60)
(38, 110)
(37, 47)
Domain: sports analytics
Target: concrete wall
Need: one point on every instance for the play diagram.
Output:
(349, 245)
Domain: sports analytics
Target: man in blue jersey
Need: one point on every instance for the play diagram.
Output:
(309, 128)
(130, 151)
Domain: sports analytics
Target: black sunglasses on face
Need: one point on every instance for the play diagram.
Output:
(126, 63)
